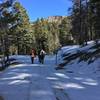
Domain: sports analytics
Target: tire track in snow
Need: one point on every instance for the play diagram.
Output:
(60, 94)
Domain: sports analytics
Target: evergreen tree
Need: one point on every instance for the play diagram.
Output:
(64, 31)
(23, 30)
(95, 9)
(6, 19)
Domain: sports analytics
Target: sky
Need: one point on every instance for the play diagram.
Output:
(44, 8)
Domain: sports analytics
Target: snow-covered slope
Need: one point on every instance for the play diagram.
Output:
(79, 78)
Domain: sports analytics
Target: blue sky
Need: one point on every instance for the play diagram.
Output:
(44, 8)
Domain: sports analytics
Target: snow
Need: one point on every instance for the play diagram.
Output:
(26, 81)
(82, 79)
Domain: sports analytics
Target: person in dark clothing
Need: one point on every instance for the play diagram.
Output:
(42, 56)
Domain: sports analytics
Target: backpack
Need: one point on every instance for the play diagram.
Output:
(42, 53)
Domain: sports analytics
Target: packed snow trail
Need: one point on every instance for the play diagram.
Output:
(25, 82)
(28, 81)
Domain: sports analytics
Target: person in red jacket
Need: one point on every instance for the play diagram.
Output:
(33, 54)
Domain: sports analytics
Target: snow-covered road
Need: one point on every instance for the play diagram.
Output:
(26, 82)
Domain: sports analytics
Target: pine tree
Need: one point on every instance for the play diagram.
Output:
(6, 19)
(23, 29)
(64, 31)
(95, 9)
(80, 20)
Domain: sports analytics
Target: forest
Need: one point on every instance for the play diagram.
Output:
(18, 35)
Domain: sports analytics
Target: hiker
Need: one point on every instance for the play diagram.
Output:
(33, 54)
(42, 56)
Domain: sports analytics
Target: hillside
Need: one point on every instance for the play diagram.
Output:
(87, 54)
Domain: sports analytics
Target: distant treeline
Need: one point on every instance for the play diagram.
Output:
(18, 35)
